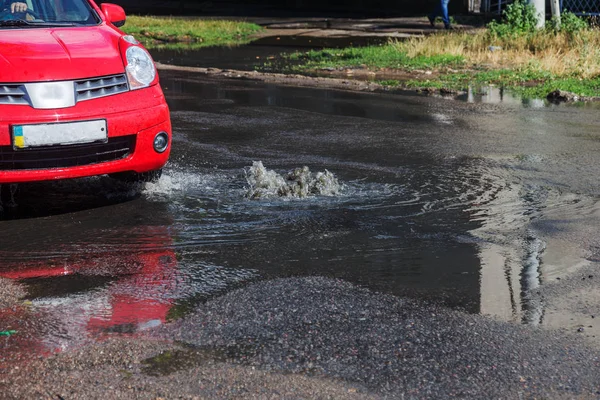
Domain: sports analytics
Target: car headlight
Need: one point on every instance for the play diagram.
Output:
(140, 68)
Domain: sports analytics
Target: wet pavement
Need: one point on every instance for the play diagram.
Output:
(248, 57)
(266, 53)
(486, 204)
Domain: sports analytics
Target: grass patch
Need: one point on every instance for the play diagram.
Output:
(533, 64)
(170, 32)
(373, 57)
(560, 54)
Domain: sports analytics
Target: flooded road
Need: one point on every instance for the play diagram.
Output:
(484, 204)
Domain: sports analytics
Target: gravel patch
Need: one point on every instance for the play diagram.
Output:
(396, 347)
(122, 369)
(10, 293)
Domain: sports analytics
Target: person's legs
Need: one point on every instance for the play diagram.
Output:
(437, 11)
(440, 10)
(431, 20)
(444, 13)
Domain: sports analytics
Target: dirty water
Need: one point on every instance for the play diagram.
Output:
(319, 42)
(475, 205)
(261, 54)
(246, 57)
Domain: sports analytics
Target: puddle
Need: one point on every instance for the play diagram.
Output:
(245, 58)
(262, 54)
(95, 280)
(295, 41)
(499, 95)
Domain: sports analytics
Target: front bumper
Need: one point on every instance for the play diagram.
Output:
(138, 114)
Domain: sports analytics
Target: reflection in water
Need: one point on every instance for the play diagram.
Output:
(516, 259)
(510, 253)
(87, 295)
(106, 274)
(72, 301)
(531, 278)
(499, 95)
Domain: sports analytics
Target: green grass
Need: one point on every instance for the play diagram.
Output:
(372, 57)
(161, 32)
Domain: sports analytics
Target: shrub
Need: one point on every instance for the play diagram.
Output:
(517, 19)
(569, 23)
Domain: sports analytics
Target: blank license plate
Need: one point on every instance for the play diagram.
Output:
(25, 136)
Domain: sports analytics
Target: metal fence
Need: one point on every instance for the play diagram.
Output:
(493, 6)
(578, 7)
(581, 7)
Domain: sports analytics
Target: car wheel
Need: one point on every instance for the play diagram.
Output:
(138, 177)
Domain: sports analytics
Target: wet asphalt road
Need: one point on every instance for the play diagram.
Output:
(485, 204)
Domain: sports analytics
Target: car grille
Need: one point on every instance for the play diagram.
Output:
(66, 156)
(85, 89)
(13, 94)
(88, 89)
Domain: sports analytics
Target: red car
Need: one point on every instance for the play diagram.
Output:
(78, 97)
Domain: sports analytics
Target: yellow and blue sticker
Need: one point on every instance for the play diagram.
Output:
(18, 139)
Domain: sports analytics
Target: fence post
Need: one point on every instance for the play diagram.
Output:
(555, 8)
(540, 11)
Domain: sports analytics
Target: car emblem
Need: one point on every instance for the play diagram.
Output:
(46, 95)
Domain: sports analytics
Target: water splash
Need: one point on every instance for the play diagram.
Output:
(177, 184)
(165, 187)
(299, 183)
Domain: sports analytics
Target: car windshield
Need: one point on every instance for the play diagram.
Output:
(32, 13)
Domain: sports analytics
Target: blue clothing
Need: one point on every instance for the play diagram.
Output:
(441, 10)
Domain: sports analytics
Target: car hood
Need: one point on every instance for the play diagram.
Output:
(45, 54)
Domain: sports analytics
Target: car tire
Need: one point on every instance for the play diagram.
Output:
(138, 177)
